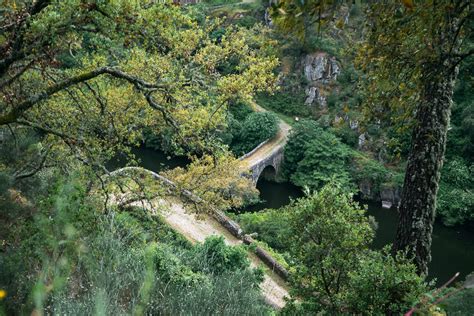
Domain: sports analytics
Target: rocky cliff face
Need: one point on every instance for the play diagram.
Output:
(321, 71)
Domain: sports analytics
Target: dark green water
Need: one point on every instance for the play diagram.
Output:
(274, 195)
(150, 159)
(452, 248)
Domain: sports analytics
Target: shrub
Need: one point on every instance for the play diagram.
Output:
(347, 135)
(82, 262)
(240, 111)
(365, 168)
(314, 157)
(334, 271)
(326, 220)
(459, 304)
(290, 104)
(256, 128)
(383, 285)
(270, 225)
(215, 257)
(300, 136)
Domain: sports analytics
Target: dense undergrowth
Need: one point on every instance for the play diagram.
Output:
(68, 257)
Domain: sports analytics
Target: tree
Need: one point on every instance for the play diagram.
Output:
(328, 238)
(328, 234)
(217, 180)
(325, 159)
(410, 59)
(89, 77)
(313, 157)
(257, 128)
(414, 53)
(300, 136)
(384, 285)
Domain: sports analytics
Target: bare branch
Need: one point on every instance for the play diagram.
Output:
(160, 108)
(9, 81)
(46, 130)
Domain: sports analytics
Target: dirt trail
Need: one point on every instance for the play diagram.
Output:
(197, 229)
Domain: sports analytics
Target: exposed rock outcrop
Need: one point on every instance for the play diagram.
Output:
(320, 67)
(315, 94)
(320, 70)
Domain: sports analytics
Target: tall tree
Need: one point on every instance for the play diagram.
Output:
(410, 58)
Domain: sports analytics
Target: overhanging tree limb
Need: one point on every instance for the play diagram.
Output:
(17, 110)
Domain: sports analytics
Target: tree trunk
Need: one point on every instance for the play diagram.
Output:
(418, 202)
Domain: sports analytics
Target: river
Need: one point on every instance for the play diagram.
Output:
(452, 248)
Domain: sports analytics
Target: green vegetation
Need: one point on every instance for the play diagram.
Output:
(221, 2)
(324, 159)
(365, 169)
(455, 202)
(122, 262)
(82, 82)
(247, 129)
(285, 103)
(408, 85)
(315, 156)
(270, 225)
(255, 129)
(456, 193)
(348, 278)
(459, 303)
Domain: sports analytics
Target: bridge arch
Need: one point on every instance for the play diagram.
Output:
(268, 173)
(268, 167)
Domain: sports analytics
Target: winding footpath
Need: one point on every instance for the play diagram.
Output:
(196, 228)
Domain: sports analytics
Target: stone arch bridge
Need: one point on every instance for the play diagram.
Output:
(266, 158)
